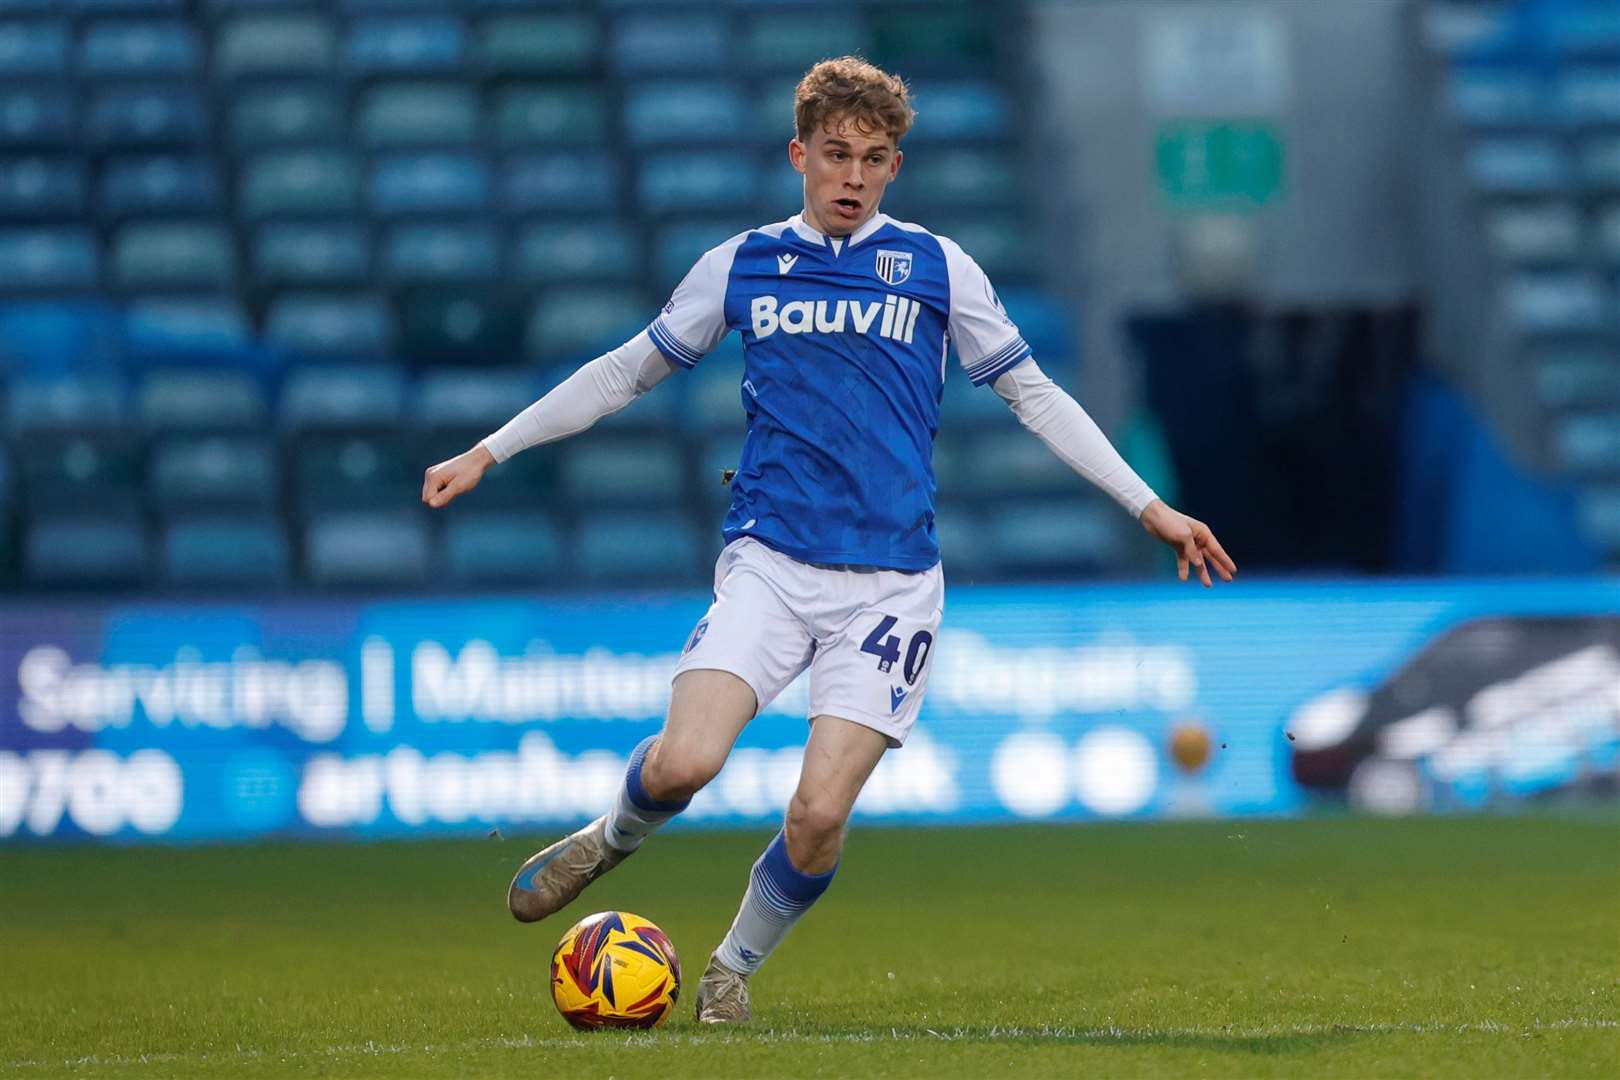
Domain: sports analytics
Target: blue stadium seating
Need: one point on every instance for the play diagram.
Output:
(180, 254)
(355, 470)
(1534, 233)
(602, 470)
(482, 400)
(691, 40)
(790, 41)
(367, 549)
(429, 183)
(1599, 162)
(39, 403)
(679, 244)
(685, 112)
(342, 396)
(417, 114)
(578, 182)
(956, 176)
(1496, 97)
(1588, 444)
(312, 254)
(330, 324)
(79, 551)
(156, 117)
(964, 545)
(542, 44)
(616, 550)
(213, 471)
(416, 252)
(193, 329)
(200, 400)
(575, 250)
(226, 552)
(32, 48)
(82, 470)
(41, 188)
(1012, 463)
(274, 43)
(549, 115)
(160, 184)
(1589, 95)
(696, 182)
(34, 117)
(1600, 517)
(575, 324)
(284, 114)
(49, 259)
(307, 180)
(129, 48)
(493, 548)
(405, 45)
(960, 111)
(1528, 165)
(1045, 538)
(1569, 302)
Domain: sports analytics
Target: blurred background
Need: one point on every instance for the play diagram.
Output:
(1341, 279)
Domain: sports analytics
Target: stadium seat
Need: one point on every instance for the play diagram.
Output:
(213, 471)
(960, 176)
(342, 396)
(1600, 519)
(312, 254)
(336, 325)
(576, 250)
(770, 114)
(964, 546)
(226, 552)
(404, 44)
(1534, 233)
(1046, 323)
(966, 406)
(31, 48)
(575, 324)
(684, 112)
(1001, 244)
(36, 117)
(367, 549)
(159, 255)
(1573, 376)
(41, 403)
(1577, 30)
(41, 188)
(511, 548)
(960, 111)
(681, 243)
(629, 549)
(1606, 233)
(1495, 97)
(158, 185)
(1048, 538)
(417, 252)
(479, 400)
(1013, 463)
(540, 44)
(696, 182)
(954, 463)
(48, 259)
(714, 396)
(275, 43)
(583, 182)
(264, 116)
(139, 48)
(692, 40)
(200, 400)
(781, 188)
(548, 115)
(79, 471)
(616, 470)
(790, 41)
(357, 471)
(303, 181)
(1589, 95)
(1600, 162)
(1556, 303)
(1527, 165)
(429, 183)
(417, 114)
(470, 323)
(949, 38)
(153, 117)
(1588, 444)
(189, 329)
(100, 551)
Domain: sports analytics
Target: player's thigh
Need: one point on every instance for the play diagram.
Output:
(872, 667)
(708, 709)
(838, 760)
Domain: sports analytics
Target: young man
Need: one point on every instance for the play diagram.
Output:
(830, 560)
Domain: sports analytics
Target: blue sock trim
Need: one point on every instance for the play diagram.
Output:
(637, 793)
(785, 885)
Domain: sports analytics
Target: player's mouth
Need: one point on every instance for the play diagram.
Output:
(849, 208)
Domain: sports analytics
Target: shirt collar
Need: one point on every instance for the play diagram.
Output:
(816, 236)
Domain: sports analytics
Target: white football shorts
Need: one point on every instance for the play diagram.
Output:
(867, 636)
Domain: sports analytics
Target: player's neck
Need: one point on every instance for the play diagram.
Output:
(809, 217)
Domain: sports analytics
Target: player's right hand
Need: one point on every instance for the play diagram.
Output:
(444, 481)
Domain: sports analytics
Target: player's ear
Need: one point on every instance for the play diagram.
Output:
(894, 163)
(797, 152)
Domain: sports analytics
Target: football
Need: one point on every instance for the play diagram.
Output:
(615, 970)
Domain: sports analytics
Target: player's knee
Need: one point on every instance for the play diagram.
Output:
(674, 772)
(815, 827)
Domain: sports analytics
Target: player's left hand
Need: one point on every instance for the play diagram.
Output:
(1194, 544)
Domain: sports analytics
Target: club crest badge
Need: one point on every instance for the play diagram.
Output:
(893, 266)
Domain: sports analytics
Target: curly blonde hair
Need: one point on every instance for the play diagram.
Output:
(850, 88)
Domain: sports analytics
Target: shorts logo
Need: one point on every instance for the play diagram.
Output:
(896, 696)
(893, 266)
(697, 635)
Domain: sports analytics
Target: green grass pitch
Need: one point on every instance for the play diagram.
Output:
(1339, 947)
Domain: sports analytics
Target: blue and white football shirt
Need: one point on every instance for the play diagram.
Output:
(844, 346)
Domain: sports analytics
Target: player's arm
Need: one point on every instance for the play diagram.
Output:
(1055, 418)
(599, 388)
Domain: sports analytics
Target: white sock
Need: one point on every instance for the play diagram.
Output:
(778, 895)
(636, 814)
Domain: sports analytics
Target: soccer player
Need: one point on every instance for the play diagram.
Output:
(830, 560)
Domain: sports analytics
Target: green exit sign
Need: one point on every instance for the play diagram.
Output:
(1218, 163)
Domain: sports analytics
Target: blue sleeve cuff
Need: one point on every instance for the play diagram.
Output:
(1002, 360)
(674, 350)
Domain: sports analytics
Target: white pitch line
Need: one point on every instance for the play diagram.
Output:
(770, 1036)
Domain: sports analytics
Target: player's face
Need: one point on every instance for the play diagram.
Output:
(845, 167)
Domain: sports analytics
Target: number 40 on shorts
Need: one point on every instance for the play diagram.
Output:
(886, 647)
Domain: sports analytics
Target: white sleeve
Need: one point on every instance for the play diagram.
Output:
(605, 385)
(1058, 421)
(987, 342)
(694, 320)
